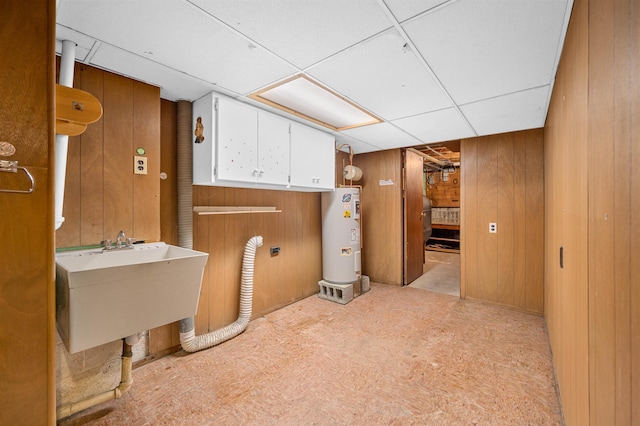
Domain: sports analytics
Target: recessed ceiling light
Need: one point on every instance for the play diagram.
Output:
(306, 98)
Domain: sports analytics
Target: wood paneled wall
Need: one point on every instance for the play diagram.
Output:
(102, 194)
(382, 220)
(445, 193)
(614, 206)
(27, 311)
(502, 178)
(167, 338)
(168, 165)
(279, 280)
(593, 193)
(566, 289)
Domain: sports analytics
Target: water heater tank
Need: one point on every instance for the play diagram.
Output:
(341, 236)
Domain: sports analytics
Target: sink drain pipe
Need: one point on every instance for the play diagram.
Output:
(125, 383)
(188, 339)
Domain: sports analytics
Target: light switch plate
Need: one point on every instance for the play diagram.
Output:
(493, 228)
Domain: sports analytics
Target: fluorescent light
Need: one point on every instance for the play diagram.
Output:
(310, 100)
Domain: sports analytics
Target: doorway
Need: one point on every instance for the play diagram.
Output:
(441, 273)
(441, 187)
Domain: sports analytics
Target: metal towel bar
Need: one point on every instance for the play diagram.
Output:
(12, 167)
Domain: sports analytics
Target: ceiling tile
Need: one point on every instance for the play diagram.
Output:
(173, 85)
(383, 135)
(180, 36)
(301, 32)
(358, 146)
(482, 49)
(405, 9)
(517, 111)
(383, 76)
(437, 126)
(83, 43)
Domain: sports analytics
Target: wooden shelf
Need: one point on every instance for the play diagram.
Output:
(448, 235)
(442, 226)
(455, 240)
(208, 210)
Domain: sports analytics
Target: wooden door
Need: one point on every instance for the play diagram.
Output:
(412, 200)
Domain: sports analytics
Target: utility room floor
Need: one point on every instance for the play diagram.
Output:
(394, 355)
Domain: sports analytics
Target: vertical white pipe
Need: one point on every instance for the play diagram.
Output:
(67, 60)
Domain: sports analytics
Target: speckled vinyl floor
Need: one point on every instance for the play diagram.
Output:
(393, 356)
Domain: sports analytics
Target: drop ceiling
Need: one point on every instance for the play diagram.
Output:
(433, 70)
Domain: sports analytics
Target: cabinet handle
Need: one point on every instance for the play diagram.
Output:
(255, 172)
(261, 172)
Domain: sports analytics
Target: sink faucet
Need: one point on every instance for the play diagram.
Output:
(121, 242)
(121, 238)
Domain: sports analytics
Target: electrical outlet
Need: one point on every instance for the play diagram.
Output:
(493, 228)
(139, 165)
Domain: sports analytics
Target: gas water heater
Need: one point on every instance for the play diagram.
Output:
(341, 245)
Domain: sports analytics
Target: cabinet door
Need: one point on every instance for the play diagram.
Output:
(273, 149)
(312, 158)
(237, 143)
(325, 154)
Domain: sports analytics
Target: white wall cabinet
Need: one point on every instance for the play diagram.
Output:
(244, 146)
(312, 158)
(273, 149)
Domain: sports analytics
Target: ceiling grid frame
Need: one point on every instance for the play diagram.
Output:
(417, 53)
(333, 33)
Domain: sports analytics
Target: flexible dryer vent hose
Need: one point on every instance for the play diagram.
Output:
(192, 343)
(188, 339)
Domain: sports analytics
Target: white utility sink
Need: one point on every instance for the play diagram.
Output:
(106, 295)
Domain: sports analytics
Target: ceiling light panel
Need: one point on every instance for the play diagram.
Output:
(301, 32)
(180, 36)
(498, 46)
(304, 97)
(391, 80)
